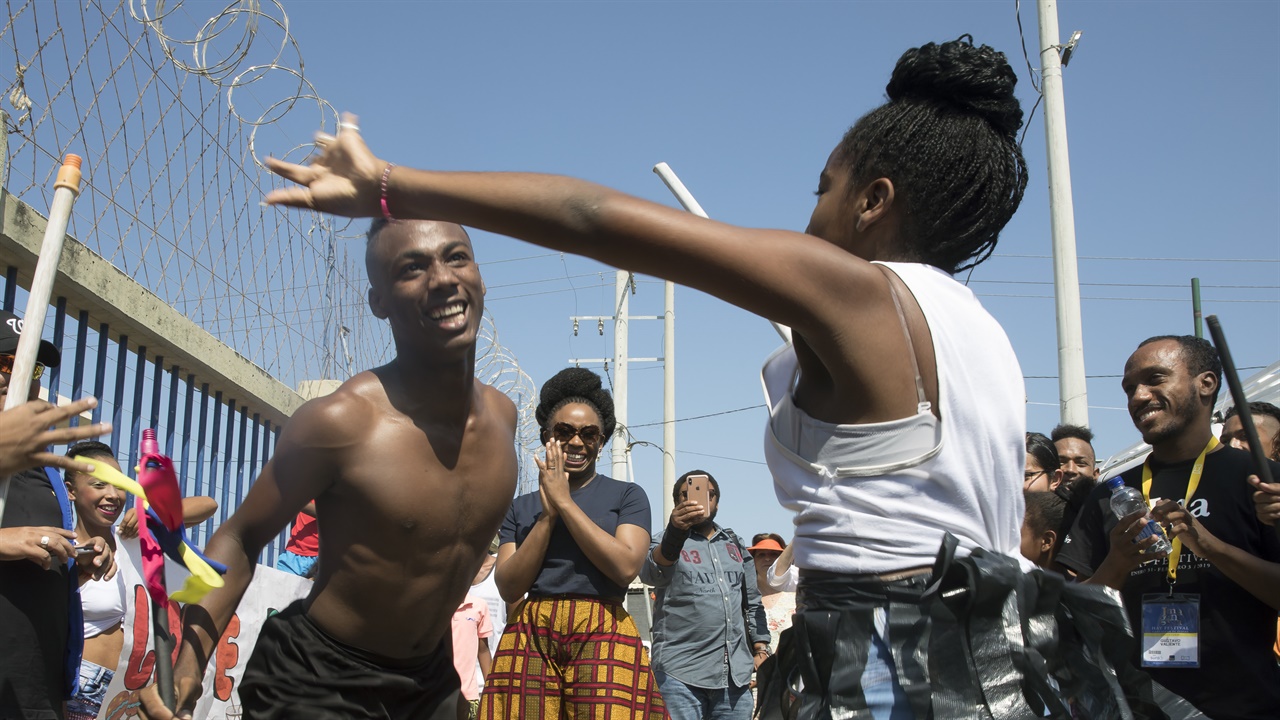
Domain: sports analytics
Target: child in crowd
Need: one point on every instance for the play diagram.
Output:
(1041, 526)
(471, 630)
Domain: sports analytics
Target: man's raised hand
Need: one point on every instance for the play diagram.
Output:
(25, 435)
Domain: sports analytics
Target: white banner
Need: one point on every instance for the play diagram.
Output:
(270, 592)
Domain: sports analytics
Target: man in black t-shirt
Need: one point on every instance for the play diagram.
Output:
(1227, 560)
(40, 626)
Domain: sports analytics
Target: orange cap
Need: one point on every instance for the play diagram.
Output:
(69, 174)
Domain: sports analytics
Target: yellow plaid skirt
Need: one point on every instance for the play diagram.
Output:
(571, 657)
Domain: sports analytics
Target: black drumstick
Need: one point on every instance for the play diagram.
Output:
(1241, 402)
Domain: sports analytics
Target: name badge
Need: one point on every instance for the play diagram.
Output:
(1171, 631)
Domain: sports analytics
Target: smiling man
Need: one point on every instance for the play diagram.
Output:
(412, 466)
(1206, 614)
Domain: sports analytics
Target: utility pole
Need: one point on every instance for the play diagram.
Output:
(622, 305)
(621, 360)
(668, 397)
(1066, 278)
(1196, 316)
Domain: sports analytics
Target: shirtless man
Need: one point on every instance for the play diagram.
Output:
(412, 466)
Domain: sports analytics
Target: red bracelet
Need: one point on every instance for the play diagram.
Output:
(386, 175)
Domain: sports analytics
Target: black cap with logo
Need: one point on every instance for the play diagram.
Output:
(11, 330)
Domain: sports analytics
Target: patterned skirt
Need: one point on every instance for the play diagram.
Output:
(571, 657)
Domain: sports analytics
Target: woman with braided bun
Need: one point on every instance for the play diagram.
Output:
(897, 413)
(570, 549)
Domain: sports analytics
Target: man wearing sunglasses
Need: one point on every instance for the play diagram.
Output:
(40, 623)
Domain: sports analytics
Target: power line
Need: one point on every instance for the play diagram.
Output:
(1142, 285)
(1055, 377)
(700, 417)
(721, 457)
(518, 259)
(1091, 407)
(1129, 299)
(1147, 259)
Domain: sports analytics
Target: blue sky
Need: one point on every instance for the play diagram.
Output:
(1171, 116)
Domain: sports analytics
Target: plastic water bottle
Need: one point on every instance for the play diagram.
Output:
(1127, 501)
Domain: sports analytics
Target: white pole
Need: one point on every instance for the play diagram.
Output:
(622, 305)
(1066, 280)
(668, 400)
(66, 190)
(686, 199)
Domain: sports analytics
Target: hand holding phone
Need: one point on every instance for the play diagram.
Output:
(699, 490)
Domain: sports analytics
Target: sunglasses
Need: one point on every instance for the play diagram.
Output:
(564, 432)
(6, 366)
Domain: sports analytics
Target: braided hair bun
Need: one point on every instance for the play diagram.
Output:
(947, 141)
(976, 80)
(576, 385)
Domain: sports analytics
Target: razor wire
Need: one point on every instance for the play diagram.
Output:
(173, 114)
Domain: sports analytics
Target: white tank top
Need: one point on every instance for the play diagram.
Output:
(875, 498)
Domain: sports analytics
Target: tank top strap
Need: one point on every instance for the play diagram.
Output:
(923, 405)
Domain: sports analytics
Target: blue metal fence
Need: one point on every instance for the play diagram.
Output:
(218, 446)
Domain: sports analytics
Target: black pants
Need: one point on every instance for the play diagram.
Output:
(298, 671)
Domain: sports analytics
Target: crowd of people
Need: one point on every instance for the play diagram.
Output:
(919, 581)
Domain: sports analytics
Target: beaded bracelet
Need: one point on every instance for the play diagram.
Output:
(386, 175)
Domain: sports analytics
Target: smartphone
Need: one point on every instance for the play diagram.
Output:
(699, 489)
(85, 550)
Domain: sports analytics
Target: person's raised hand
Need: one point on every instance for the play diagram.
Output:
(1266, 500)
(25, 436)
(346, 178)
(553, 479)
(128, 527)
(687, 514)
(41, 545)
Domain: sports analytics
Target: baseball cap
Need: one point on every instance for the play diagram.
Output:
(766, 544)
(11, 330)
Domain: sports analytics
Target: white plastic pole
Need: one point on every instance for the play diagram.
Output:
(668, 398)
(66, 190)
(623, 306)
(1066, 279)
(687, 200)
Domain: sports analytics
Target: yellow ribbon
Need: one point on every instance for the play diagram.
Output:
(203, 577)
(1194, 482)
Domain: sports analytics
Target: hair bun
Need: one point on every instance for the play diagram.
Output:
(571, 384)
(975, 80)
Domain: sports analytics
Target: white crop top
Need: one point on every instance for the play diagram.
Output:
(103, 604)
(877, 497)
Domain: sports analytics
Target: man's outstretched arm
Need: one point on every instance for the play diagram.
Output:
(302, 468)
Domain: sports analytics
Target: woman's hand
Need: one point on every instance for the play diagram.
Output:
(553, 480)
(99, 564)
(128, 527)
(346, 179)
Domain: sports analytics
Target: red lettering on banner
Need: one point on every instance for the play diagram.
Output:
(227, 655)
(141, 661)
